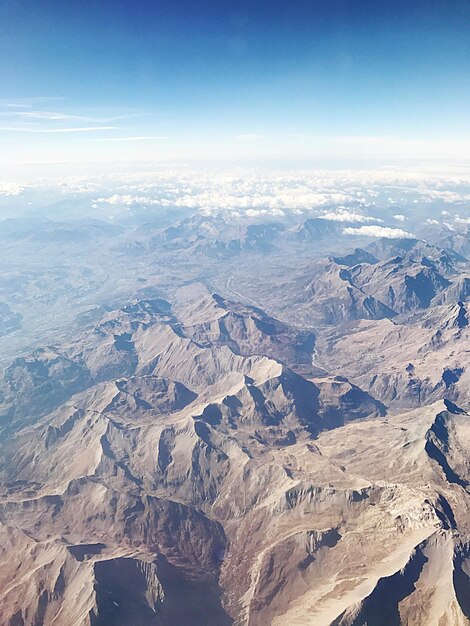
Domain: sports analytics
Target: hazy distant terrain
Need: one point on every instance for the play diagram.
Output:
(235, 397)
(71, 245)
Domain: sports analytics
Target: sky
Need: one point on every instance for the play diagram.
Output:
(109, 80)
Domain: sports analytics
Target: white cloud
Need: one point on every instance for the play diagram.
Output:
(343, 215)
(10, 189)
(447, 196)
(344, 196)
(128, 200)
(379, 231)
(259, 212)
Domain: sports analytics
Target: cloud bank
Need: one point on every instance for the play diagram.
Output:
(379, 231)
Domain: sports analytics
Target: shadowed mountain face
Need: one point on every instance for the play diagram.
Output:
(357, 286)
(294, 452)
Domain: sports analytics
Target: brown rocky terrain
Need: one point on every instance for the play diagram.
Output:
(199, 460)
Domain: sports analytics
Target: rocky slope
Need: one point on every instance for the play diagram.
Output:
(405, 363)
(201, 461)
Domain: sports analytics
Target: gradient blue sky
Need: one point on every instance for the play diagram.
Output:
(109, 79)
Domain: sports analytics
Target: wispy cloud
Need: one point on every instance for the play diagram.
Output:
(80, 129)
(38, 116)
(143, 138)
(57, 116)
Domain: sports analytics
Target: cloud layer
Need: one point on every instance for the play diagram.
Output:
(374, 200)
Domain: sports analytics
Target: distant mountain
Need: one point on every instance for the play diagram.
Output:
(340, 290)
(400, 284)
(457, 241)
(316, 229)
(405, 364)
(217, 236)
(385, 248)
(355, 258)
(9, 320)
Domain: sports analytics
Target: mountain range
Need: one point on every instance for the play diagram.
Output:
(203, 452)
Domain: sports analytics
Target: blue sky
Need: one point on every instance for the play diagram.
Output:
(108, 79)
